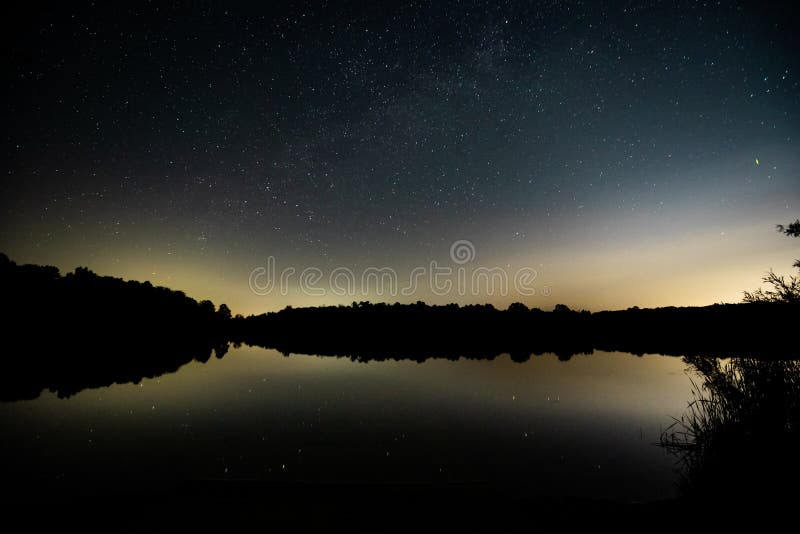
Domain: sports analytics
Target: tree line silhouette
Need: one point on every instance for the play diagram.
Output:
(80, 330)
(69, 332)
(367, 331)
(761, 327)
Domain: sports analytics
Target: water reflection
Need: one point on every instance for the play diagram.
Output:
(94, 365)
(585, 428)
(97, 365)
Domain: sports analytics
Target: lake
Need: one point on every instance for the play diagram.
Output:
(584, 428)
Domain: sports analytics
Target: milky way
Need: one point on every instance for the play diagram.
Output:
(611, 147)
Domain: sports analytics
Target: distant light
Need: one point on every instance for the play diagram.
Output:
(756, 162)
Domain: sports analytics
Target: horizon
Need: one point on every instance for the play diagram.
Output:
(314, 301)
(619, 157)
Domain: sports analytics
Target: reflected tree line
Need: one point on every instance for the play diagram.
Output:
(69, 332)
(80, 330)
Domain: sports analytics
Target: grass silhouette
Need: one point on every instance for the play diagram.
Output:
(739, 435)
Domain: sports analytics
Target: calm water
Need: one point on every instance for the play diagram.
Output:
(587, 427)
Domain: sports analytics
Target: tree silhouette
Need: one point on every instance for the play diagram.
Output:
(224, 312)
(792, 230)
(517, 307)
(207, 307)
(783, 290)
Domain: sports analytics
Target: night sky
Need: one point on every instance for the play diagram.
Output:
(632, 154)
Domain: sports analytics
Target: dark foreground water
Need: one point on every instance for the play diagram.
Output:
(585, 428)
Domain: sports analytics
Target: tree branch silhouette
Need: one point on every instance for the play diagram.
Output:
(783, 290)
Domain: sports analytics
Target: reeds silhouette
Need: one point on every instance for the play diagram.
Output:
(738, 437)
